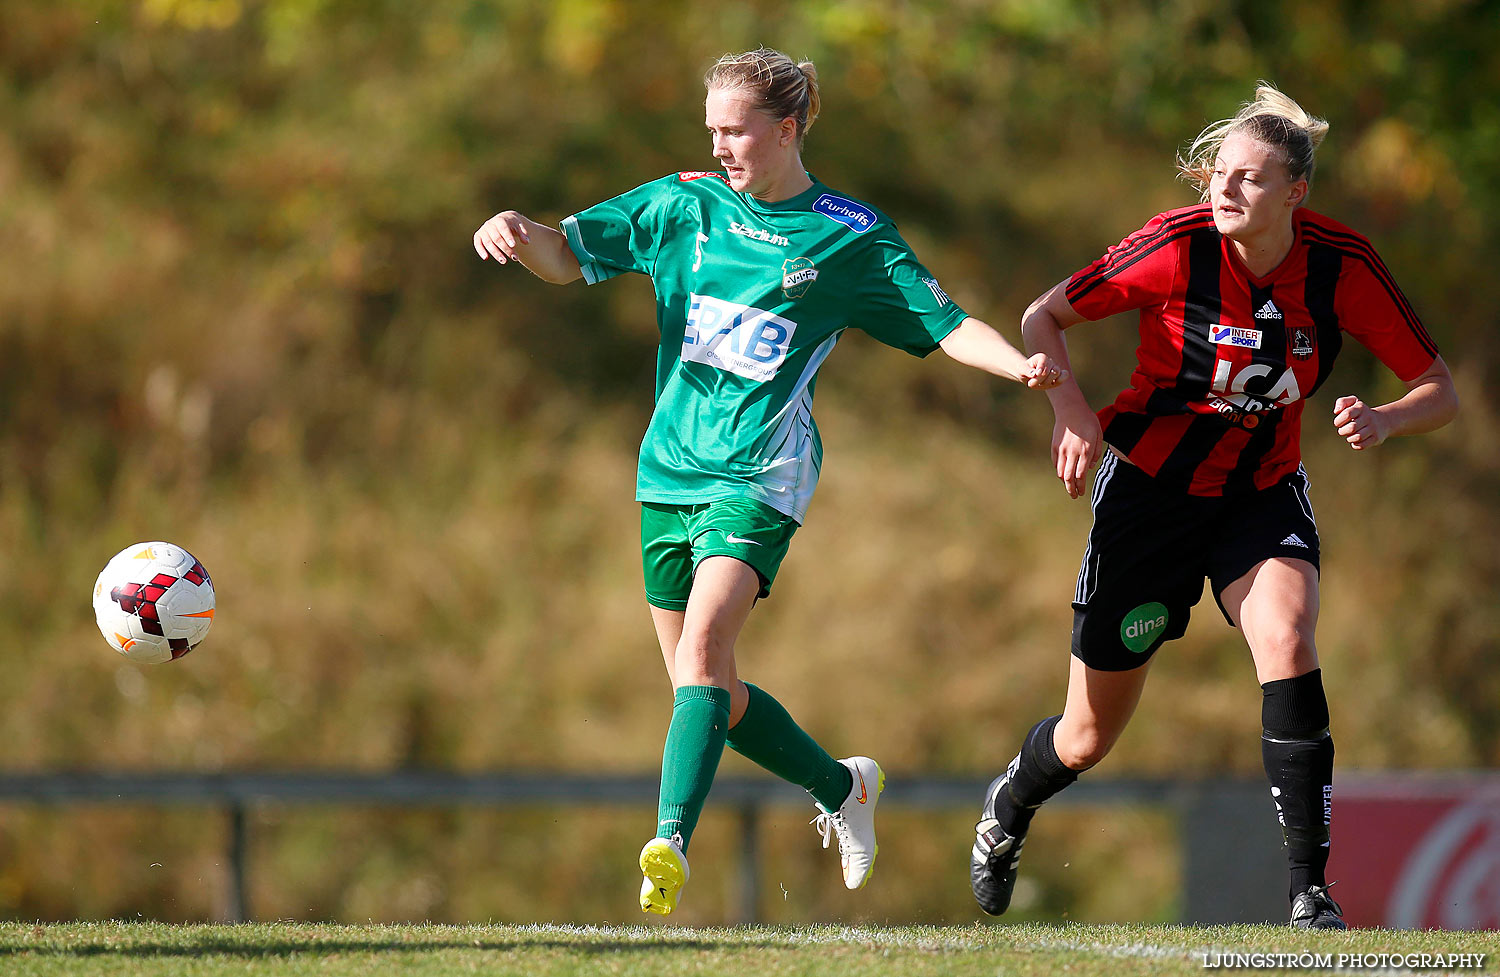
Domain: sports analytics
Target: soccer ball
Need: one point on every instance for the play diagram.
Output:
(153, 602)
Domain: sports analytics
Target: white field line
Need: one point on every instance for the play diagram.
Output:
(1147, 950)
(929, 939)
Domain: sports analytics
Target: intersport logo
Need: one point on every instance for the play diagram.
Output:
(1234, 336)
(739, 339)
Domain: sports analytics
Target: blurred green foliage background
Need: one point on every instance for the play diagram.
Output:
(239, 310)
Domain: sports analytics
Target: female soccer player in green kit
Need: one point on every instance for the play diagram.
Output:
(758, 270)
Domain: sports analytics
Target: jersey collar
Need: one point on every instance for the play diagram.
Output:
(802, 201)
(1233, 256)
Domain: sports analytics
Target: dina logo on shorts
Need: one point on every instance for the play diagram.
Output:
(1141, 628)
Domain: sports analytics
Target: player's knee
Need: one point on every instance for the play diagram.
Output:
(703, 652)
(1285, 649)
(1080, 747)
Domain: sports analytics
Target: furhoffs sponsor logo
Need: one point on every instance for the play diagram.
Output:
(797, 276)
(847, 212)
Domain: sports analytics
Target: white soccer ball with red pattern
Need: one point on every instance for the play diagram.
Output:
(154, 602)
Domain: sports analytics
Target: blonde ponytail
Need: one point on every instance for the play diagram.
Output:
(1272, 118)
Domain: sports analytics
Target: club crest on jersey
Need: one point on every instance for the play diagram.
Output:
(797, 276)
(739, 339)
(1234, 336)
(1304, 341)
(847, 212)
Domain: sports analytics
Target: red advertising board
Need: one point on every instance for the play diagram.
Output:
(1417, 852)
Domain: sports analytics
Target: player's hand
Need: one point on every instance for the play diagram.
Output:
(498, 237)
(1077, 441)
(1358, 423)
(1040, 373)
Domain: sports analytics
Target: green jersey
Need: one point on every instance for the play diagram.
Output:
(751, 298)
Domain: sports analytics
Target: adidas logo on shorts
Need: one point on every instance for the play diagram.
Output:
(1295, 540)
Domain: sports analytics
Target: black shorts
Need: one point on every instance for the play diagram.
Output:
(1151, 547)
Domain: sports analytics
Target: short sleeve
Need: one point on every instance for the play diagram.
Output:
(623, 233)
(1139, 271)
(1373, 310)
(902, 304)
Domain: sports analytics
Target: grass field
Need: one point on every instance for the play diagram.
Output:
(1019, 950)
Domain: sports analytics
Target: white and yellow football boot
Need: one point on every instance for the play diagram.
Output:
(665, 871)
(854, 822)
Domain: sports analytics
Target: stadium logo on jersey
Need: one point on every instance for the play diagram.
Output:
(937, 291)
(1268, 311)
(690, 175)
(846, 212)
(1304, 342)
(797, 276)
(1234, 336)
(739, 339)
(1144, 626)
(757, 234)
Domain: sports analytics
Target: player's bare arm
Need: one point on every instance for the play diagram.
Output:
(1430, 402)
(543, 250)
(976, 343)
(1076, 435)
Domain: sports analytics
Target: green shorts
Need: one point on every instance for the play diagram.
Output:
(676, 538)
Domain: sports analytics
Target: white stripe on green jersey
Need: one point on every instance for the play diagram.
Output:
(751, 298)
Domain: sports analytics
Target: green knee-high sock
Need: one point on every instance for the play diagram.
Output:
(769, 736)
(695, 741)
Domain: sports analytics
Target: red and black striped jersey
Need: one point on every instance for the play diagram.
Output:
(1226, 359)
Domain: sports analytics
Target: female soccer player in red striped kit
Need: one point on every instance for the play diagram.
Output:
(1244, 301)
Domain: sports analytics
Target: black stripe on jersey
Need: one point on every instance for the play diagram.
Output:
(1324, 263)
(1202, 308)
(1241, 477)
(1118, 261)
(1125, 431)
(1203, 434)
(1357, 247)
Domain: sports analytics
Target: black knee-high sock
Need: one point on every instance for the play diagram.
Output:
(1298, 753)
(1036, 774)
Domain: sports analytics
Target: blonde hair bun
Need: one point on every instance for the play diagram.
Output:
(781, 87)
